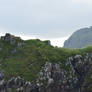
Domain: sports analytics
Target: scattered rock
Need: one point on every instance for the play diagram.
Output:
(53, 78)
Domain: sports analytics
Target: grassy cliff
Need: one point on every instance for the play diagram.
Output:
(26, 58)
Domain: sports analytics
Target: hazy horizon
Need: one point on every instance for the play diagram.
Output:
(55, 42)
(54, 20)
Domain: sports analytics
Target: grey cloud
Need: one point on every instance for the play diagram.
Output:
(46, 18)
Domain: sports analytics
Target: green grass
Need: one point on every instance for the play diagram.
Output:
(29, 59)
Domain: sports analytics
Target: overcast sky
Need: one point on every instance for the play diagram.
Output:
(46, 19)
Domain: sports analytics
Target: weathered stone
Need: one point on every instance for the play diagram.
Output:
(50, 81)
(53, 78)
(80, 39)
(8, 38)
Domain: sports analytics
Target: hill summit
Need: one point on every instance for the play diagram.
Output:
(36, 66)
(80, 38)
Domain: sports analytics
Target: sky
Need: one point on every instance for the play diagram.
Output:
(54, 20)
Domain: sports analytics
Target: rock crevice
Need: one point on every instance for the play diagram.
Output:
(53, 78)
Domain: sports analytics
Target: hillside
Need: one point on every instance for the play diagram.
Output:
(80, 39)
(38, 61)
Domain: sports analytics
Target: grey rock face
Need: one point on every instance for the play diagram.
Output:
(61, 80)
(53, 78)
(80, 39)
(8, 38)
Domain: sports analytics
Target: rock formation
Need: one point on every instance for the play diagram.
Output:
(80, 39)
(54, 78)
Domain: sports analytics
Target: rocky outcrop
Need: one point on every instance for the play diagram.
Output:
(54, 77)
(12, 39)
(8, 38)
(80, 39)
(66, 80)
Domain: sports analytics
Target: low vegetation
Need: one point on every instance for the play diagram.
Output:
(28, 59)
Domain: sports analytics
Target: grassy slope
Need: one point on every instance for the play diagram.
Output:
(29, 59)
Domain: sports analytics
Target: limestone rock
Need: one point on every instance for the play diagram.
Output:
(80, 38)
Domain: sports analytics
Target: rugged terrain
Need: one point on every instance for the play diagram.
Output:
(80, 39)
(36, 66)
